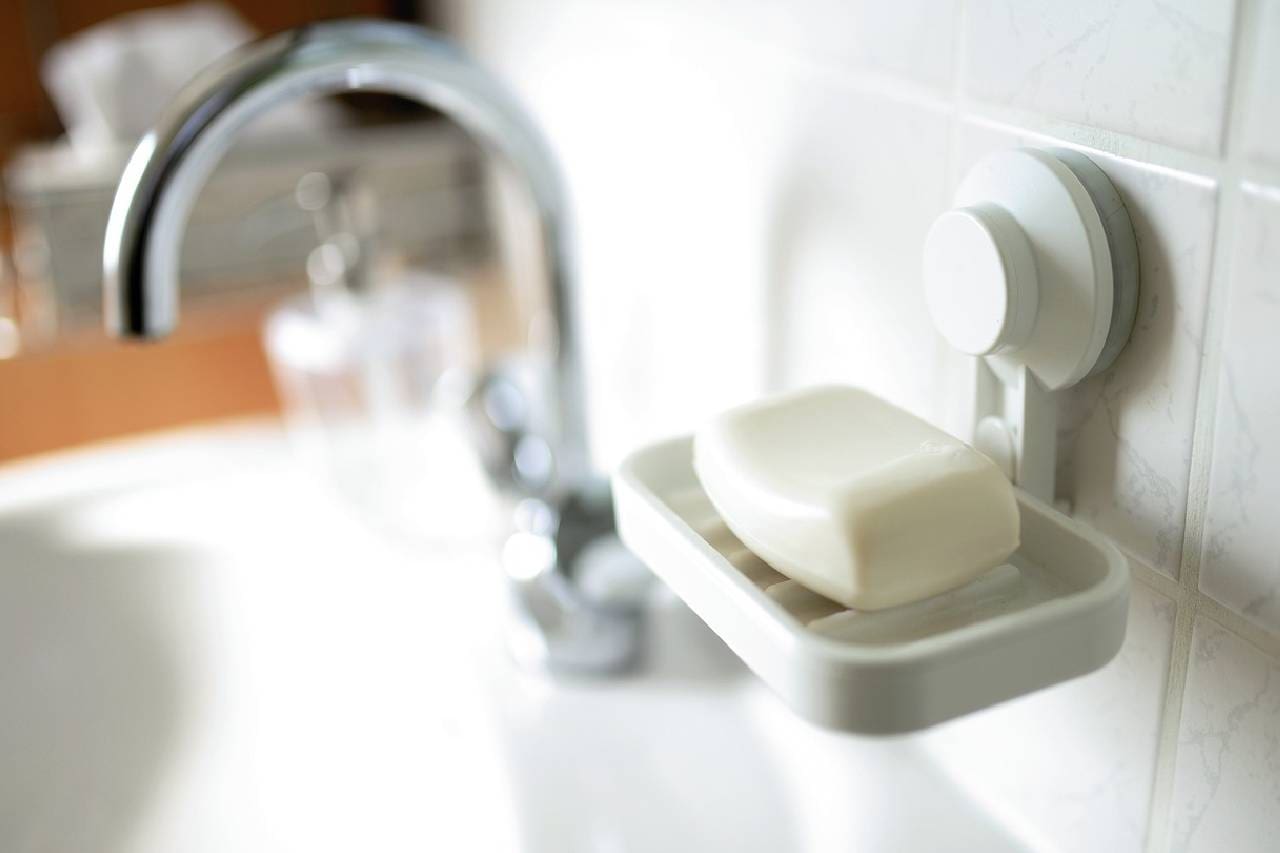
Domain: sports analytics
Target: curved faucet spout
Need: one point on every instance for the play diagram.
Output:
(172, 163)
(558, 622)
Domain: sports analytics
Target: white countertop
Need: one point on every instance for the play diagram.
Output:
(203, 649)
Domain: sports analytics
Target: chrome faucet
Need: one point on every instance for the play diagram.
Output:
(578, 606)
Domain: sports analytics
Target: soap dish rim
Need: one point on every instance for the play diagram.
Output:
(830, 659)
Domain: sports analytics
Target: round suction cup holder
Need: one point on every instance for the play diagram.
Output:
(1035, 271)
(980, 277)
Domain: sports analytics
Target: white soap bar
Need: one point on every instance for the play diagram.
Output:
(855, 498)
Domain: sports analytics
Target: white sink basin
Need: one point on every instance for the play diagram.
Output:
(200, 649)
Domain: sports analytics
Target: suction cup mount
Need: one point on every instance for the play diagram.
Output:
(1035, 272)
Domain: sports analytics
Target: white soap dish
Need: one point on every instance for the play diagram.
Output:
(1055, 610)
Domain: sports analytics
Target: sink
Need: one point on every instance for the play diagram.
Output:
(201, 649)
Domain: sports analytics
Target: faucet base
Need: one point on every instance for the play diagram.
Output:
(577, 596)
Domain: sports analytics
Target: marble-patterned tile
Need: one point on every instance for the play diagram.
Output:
(1125, 436)
(1262, 110)
(1226, 792)
(1073, 765)
(1158, 69)
(1240, 563)
(849, 214)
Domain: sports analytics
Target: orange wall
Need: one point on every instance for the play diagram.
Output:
(90, 387)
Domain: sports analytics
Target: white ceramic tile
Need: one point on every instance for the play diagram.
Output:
(1262, 118)
(849, 215)
(1240, 565)
(913, 40)
(1072, 766)
(1226, 793)
(1158, 69)
(910, 39)
(1125, 436)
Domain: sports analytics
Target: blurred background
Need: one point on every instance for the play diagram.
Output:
(81, 81)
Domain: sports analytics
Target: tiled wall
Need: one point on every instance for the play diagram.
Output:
(753, 181)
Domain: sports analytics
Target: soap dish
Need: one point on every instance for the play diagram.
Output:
(1056, 610)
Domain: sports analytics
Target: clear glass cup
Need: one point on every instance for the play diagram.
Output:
(373, 385)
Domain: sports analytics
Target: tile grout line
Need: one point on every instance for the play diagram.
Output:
(1159, 810)
(1204, 606)
(1126, 146)
(1152, 579)
(1190, 599)
(1260, 638)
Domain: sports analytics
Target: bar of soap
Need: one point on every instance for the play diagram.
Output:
(854, 498)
